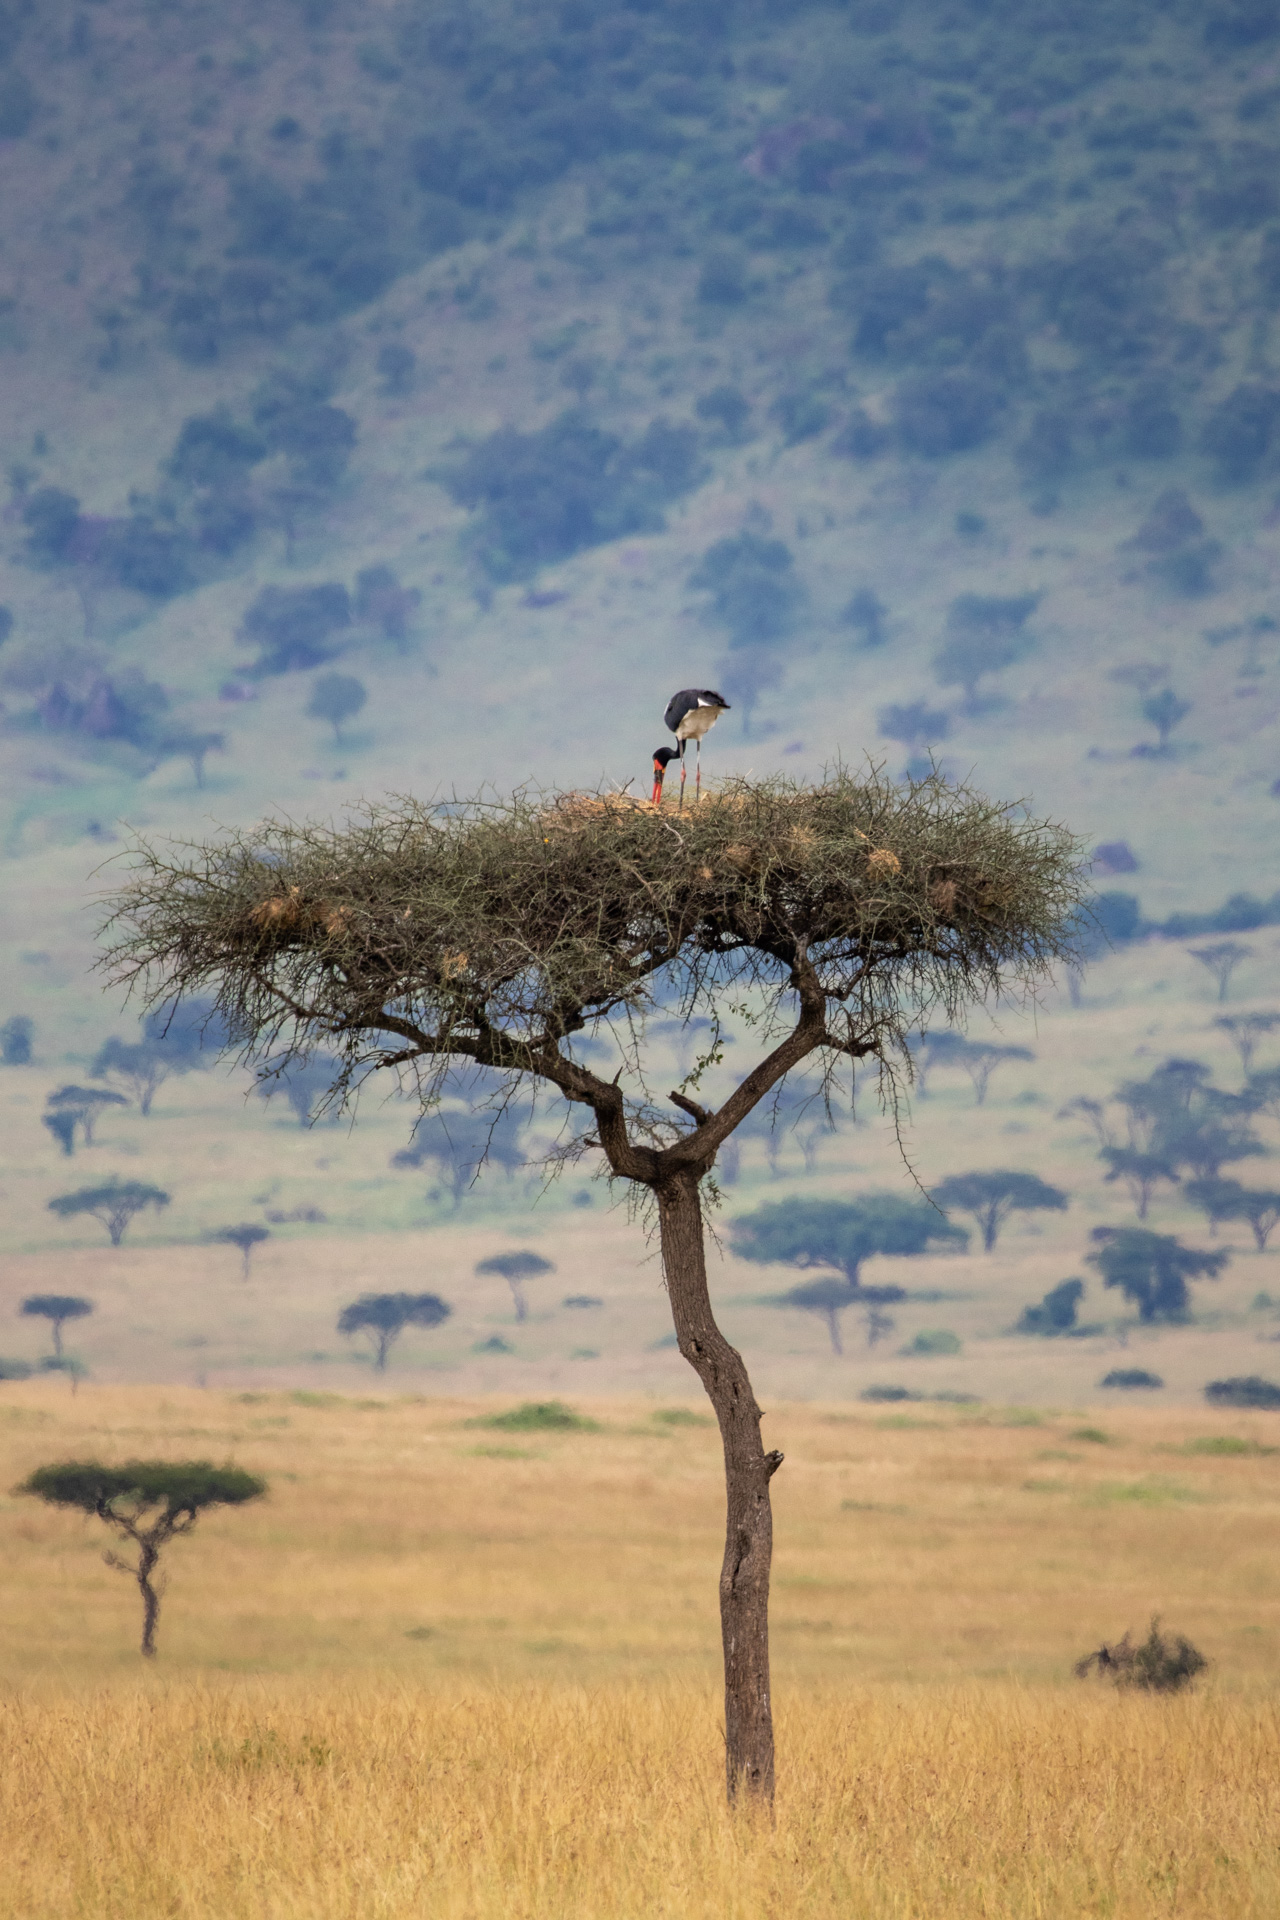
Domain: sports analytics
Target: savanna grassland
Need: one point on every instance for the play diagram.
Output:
(449, 1667)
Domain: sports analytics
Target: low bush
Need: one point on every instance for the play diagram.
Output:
(539, 1416)
(1130, 1377)
(1242, 1390)
(1162, 1663)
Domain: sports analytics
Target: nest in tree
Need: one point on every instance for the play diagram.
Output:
(532, 919)
(1162, 1663)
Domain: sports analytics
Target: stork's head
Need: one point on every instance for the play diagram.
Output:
(662, 758)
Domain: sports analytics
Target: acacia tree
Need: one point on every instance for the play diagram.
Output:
(384, 1317)
(991, 1197)
(1152, 1269)
(114, 1204)
(841, 1233)
(835, 917)
(516, 1268)
(57, 1308)
(246, 1236)
(176, 1492)
(1245, 1031)
(1222, 959)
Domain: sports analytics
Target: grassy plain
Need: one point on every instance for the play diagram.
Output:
(452, 1669)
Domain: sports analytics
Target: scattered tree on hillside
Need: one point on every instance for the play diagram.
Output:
(141, 1065)
(384, 1317)
(517, 1268)
(1263, 1092)
(305, 1084)
(1222, 1200)
(184, 743)
(1165, 712)
(1152, 1269)
(113, 1204)
(841, 1233)
(175, 1492)
(826, 1298)
(1056, 1313)
(915, 726)
(1222, 959)
(929, 1050)
(336, 697)
(84, 1106)
(991, 1197)
(63, 1128)
(247, 1236)
(57, 1309)
(533, 920)
(980, 1058)
(1141, 1173)
(1246, 1030)
(867, 614)
(15, 1040)
(985, 634)
(458, 1144)
(295, 627)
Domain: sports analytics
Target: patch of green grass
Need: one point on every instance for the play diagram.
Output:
(903, 1420)
(681, 1417)
(538, 1416)
(1094, 1435)
(503, 1453)
(1226, 1444)
(304, 1397)
(1143, 1493)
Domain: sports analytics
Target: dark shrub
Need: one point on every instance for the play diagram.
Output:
(888, 1393)
(1242, 1390)
(1238, 432)
(866, 613)
(946, 413)
(51, 518)
(862, 438)
(800, 415)
(1152, 429)
(1056, 1313)
(1045, 450)
(212, 451)
(15, 1040)
(316, 440)
(1118, 917)
(1128, 1378)
(727, 407)
(1162, 1663)
(294, 627)
(723, 279)
(752, 585)
(396, 365)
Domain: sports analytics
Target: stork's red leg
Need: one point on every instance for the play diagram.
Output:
(684, 772)
(697, 785)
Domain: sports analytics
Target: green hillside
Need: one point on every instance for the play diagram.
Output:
(908, 373)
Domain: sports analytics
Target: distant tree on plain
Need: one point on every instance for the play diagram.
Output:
(62, 1126)
(1222, 1200)
(942, 1048)
(1222, 959)
(140, 1065)
(841, 1234)
(383, 1317)
(185, 743)
(246, 1237)
(991, 1197)
(1246, 1031)
(517, 1268)
(84, 1105)
(175, 1492)
(114, 1204)
(1152, 1269)
(980, 1058)
(57, 1309)
(1165, 712)
(914, 726)
(304, 1085)
(1056, 1313)
(985, 634)
(1141, 1173)
(15, 1040)
(336, 697)
(826, 1298)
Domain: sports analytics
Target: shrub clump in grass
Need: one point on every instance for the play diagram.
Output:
(681, 1417)
(935, 1340)
(538, 1416)
(1242, 1390)
(889, 1393)
(1126, 1377)
(1228, 1444)
(1162, 1663)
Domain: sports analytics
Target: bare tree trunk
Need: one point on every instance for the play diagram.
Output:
(748, 1550)
(147, 1556)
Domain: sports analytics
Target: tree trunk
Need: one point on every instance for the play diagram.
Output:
(748, 1550)
(833, 1328)
(57, 1339)
(147, 1557)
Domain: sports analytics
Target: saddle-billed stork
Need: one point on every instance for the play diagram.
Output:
(690, 714)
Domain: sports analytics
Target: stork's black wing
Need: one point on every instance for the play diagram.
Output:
(690, 697)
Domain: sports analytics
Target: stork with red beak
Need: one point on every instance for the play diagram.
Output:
(689, 715)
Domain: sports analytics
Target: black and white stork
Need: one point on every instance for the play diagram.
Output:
(690, 714)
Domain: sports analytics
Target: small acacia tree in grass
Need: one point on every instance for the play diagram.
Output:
(836, 917)
(842, 1233)
(114, 1204)
(830, 1298)
(57, 1309)
(1222, 1200)
(1222, 959)
(147, 1502)
(384, 1317)
(246, 1236)
(516, 1268)
(1246, 1032)
(991, 1197)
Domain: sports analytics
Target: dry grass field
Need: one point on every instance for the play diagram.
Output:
(455, 1669)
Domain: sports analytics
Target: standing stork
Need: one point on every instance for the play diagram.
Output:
(690, 714)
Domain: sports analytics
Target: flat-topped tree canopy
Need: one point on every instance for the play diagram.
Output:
(496, 930)
(829, 919)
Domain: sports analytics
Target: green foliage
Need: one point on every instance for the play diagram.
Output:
(1056, 1313)
(934, 1341)
(142, 1065)
(1222, 1200)
(15, 1040)
(516, 1268)
(57, 1308)
(543, 496)
(539, 1416)
(114, 1204)
(78, 1107)
(991, 1197)
(1131, 1379)
(753, 588)
(985, 634)
(553, 915)
(841, 1234)
(182, 1487)
(246, 1237)
(336, 697)
(384, 1317)
(295, 627)
(1243, 1390)
(1152, 1269)
(1165, 712)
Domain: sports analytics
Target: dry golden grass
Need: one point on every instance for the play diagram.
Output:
(450, 1670)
